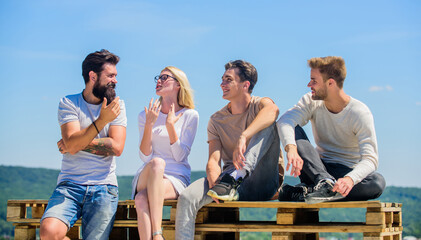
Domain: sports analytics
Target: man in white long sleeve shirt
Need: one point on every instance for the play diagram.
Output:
(344, 161)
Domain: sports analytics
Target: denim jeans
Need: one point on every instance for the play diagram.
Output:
(314, 170)
(262, 157)
(96, 204)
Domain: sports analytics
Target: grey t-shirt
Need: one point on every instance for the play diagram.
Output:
(86, 168)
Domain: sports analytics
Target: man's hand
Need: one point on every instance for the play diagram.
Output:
(238, 158)
(294, 160)
(61, 146)
(343, 186)
(110, 112)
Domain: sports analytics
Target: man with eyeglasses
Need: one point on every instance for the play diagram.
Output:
(244, 137)
(93, 129)
(343, 164)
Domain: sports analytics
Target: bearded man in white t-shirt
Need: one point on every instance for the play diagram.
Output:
(343, 164)
(93, 130)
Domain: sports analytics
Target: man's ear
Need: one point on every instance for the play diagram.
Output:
(246, 85)
(331, 82)
(93, 76)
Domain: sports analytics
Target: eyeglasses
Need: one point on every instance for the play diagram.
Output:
(164, 78)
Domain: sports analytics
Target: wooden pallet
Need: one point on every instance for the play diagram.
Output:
(222, 221)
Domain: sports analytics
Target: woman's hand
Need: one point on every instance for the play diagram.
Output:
(152, 112)
(171, 117)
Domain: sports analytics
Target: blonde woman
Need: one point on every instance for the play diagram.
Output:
(167, 129)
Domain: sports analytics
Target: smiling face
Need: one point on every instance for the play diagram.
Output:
(105, 84)
(168, 87)
(231, 84)
(317, 85)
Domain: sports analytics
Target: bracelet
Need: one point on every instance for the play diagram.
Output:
(156, 233)
(95, 126)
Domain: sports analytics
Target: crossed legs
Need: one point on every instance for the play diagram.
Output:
(152, 189)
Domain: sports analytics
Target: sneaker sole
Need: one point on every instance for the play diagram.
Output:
(320, 200)
(231, 197)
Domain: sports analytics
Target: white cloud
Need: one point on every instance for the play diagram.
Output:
(380, 88)
(388, 88)
(418, 103)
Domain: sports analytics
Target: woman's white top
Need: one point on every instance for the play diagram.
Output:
(175, 155)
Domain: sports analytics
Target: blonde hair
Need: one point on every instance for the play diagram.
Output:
(330, 67)
(185, 94)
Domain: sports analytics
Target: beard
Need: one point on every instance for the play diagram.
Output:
(321, 94)
(107, 91)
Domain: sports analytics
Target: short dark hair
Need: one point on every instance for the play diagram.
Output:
(95, 62)
(246, 72)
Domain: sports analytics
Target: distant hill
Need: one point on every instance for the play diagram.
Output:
(39, 183)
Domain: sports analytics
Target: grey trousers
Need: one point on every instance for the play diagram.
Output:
(314, 170)
(262, 157)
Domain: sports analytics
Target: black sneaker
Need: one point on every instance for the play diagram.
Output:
(226, 189)
(293, 193)
(322, 192)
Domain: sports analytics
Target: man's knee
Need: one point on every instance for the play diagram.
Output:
(191, 197)
(378, 185)
(52, 228)
(186, 197)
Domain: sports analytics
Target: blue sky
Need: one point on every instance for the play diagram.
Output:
(43, 44)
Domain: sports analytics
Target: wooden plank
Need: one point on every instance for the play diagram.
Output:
(14, 213)
(173, 214)
(277, 204)
(384, 209)
(25, 232)
(271, 227)
(381, 234)
(26, 201)
(281, 236)
(376, 218)
(285, 217)
(168, 234)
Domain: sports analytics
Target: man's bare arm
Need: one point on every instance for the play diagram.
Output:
(266, 117)
(111, 146)
(213, 168)
(75, 139)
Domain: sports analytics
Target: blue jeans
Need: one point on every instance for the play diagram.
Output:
(315, 170)
(96, 204)
(262, 156)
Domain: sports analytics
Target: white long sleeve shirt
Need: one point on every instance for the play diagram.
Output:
(346, 138)
(175, 155)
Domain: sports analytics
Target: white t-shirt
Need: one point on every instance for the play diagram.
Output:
(175, 155)
(86, 168)
(347, 137)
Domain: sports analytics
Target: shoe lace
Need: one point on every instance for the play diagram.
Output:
(320, 185)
